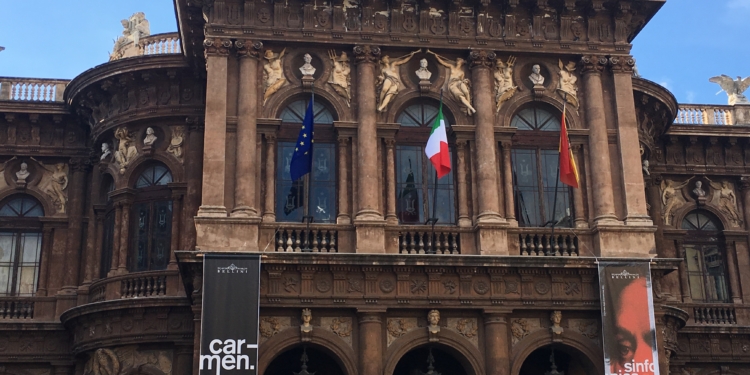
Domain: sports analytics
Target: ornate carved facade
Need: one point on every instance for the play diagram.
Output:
(115, 183)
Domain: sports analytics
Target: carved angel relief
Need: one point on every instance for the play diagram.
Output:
(567, 87)
(340, 79)
(504, 87)
(54, 182)
(725, 199)
(273, 73)
(126, 150)
(458, 84)
(389, 81)
(671, 198)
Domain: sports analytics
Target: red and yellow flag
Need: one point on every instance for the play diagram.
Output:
(568, 168)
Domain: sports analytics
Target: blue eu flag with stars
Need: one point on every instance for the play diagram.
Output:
(303, 151)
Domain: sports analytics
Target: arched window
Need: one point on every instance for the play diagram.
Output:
(108, 226)
(704, 257)
(151, 220)
(415, 175)
(20, 246)
(535, 170)
(290, 195)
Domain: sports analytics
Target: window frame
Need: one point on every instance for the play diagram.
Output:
(152, 197)
(699, 239)
(18, 227)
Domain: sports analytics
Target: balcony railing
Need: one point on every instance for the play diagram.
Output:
(546, 244)
(32, 89)
(714, 315)
(314, 240)
(135, 285)
(425, 241)
(157, 44)
(17, 308)
(697, 114)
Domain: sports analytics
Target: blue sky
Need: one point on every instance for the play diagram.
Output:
(686, 43)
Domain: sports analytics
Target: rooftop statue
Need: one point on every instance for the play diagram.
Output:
(733, 88)
(134, 28)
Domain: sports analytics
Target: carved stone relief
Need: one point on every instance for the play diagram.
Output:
(725, 199)
(389, 81)
(54, 183)
(126, 150)
(586, 327)
(272, 325)
(340, 78)
(128, 359)
(398, 327)
(504, 86)
(466, 327)
(273, 73)
(520, 328)
(458, 84)
(175, 144)
(340, 326)
(671, 198)
(567, 86)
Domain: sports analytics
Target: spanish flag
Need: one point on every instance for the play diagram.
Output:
(568, 168)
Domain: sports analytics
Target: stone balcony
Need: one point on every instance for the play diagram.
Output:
(705, 114)
(32, 89)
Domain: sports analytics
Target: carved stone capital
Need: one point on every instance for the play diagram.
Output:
(343, 141)
(461, 144)
(390, 143)
(217, 46)
(593, 64)
(481, 59)
(744, 183)
(80, 164)
(248, 48)
(622, 64)
(366, 54)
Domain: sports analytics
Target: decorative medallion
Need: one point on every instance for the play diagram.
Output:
(323, 285)
(467, 327)
(542, 287)
(354, 285)
(269, 327)
(127, 324)
(572, 288)
(397, 327)
(511, 287)
(387, 285)
(523, 327)
(450, 286)
(481, 287)
(290, 284)
(342, 326)
(418, 286)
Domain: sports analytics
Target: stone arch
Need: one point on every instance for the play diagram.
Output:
(542, 338)
(404, 100)
(321, 339)
(143, 161)
(288, 94)
(462, 349)
(517, 102)
(686, 209)
(47, 206)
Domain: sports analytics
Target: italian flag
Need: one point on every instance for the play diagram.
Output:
(437, 146)
(568, 167)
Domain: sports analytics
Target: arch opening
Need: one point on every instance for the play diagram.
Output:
(567, 360)
(423, 359)
(317, 360)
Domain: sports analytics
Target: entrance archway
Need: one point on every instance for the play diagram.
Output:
(429, 360)
(566, 359)
(291, 361)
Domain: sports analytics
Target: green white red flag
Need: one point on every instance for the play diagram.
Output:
(437, 146)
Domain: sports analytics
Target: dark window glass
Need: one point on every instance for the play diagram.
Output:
(151, 220)
(535, 163)
(108, 239)
(322, 200)
(20, 247)
(704, 258)
(422, 114)
(295, 113)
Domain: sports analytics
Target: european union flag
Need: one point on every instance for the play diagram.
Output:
(302, 158)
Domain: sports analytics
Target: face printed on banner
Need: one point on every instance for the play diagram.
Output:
(634, 338)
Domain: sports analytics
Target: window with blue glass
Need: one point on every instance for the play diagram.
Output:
(540, 199)
(151, 220)
(292, 197)
(20, 246)
(415, 175)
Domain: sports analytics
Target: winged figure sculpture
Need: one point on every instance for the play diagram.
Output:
(733, 88)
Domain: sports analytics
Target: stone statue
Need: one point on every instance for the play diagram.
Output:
(22, 174)
(306, 318)
(670, 198)
(698, 191)
(307, 70)
(389, 82)
(727, 200)
(433, 318)
(103, 362)
(504, 87)
(556, 317)
(273, 73)
(134, 28)
(126, 150)
(645, 166)
(3, 182)
(567, 87)
(536, 76)
(106, 152)
(54, 182)
(150, 137)
(458, 85)
(734, 88)
(178, 138)
(340, 79)
(422, 73)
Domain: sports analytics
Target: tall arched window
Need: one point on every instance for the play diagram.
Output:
(20, 246)
(704, 257)
(290, 195)
(415, 175)
(535, 170)
(151, 219)
(108, 226)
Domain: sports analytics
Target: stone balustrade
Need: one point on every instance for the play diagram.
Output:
(423, 240)
(541, 242)
(715, 314)
(698, 114)
(315, 239)
(157, 44)
(17, 308)
(135, 285)
(32, 89)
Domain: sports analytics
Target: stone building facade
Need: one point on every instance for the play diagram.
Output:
(115, 183)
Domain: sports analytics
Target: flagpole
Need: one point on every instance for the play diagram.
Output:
(306, 217)
(433, 219)
(557, 183)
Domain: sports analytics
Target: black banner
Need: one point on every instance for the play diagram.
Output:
(628, 328)
(229, 321)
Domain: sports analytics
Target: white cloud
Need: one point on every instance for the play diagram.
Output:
(739, 4)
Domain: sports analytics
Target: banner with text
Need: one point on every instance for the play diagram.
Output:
(628, 326)
(229, 321)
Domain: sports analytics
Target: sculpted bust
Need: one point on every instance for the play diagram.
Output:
(433, 317)
(536, 76)
(150, 137)
(307, 69)
(422, 72)
(23, 173)
(698, 191)
(105, 151)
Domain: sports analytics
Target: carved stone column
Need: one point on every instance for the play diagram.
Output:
(578, 208)
(116, 240)
(734, 277)
(247, 113)
(745, 188)
(214, 148)
(76, 188)
(47, 239)
(629, 147)
(390, 193)
(183, 360)
(682, 270)
(484, 118)
(510, 205)
(96, 266)
(601, 176)
(463, 193)
(124, 199)
(497, 360)
(343, 216)
(178, 194)
(269, 210)
(193, 175)
(369, 219)
(92, 232)
(370, 344)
